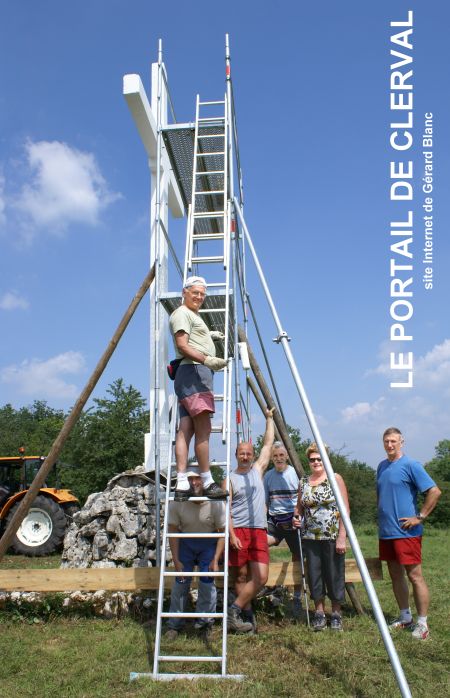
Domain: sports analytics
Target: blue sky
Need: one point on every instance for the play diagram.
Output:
(311, 84)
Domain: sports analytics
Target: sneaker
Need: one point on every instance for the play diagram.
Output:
(235, 622)
(420, 631)
(336, 622)
(319, 622)
(183, 495)
(213, 491)
(171, 634)
(400, 624)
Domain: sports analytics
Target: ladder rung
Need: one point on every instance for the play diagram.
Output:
(220, 101)
(191, 614)
(215, 462)
(195, 535)
(216, 429)
(162, 676)
(218, 284)
(208, 236)
(210, 191)
(209, 172)
(218, 152)
(207, 260)
(209, 214)
(182, 658)
(212, 310)
(211, 135)
(172, 573)
(219, 398)
(208, 119)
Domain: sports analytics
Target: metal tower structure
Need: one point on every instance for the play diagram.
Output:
(194, 167)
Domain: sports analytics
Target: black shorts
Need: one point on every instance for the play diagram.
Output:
(280, 533)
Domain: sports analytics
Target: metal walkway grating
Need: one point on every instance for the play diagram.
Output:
(179, 141)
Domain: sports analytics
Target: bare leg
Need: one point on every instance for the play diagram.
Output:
(240, 579)
(335, 607)
(319, 605)
(420, 589)
(202, 430)
(399, 583)
(182, 441)
(258, 573)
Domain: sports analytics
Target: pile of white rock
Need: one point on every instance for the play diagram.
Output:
(116, 527)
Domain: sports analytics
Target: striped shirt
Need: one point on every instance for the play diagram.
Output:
(281, 490)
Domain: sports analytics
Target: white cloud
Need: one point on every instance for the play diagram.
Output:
(422, 412)
(66, 187)
(433, 369)
(11, 300)
(362, 410)
(2, 201)
(44, 379)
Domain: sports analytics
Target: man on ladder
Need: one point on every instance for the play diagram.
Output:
(194, 387)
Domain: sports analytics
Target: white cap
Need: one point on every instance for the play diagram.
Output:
(192, 473)
(195, 281)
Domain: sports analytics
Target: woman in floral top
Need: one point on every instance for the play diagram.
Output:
(324, 539)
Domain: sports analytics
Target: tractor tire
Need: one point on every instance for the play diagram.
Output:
(42, 530)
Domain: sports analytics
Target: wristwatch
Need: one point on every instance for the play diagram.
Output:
(421, 517)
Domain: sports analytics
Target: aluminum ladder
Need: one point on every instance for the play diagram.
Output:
(207, 247)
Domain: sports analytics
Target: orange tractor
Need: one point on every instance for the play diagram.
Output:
(42, 530)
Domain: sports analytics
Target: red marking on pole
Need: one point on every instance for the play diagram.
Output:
(238, 416)
(233, 225)
(228, 71)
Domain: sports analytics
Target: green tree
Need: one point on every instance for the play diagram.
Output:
(35, 427)
(439, 469)
(108, 439)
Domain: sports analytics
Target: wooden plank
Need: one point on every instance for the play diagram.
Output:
(133, 578)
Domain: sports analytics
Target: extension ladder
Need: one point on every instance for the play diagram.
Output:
(207, 248)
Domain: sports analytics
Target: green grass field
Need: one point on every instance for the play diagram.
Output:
(92, 658)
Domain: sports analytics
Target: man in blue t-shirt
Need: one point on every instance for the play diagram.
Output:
(399, 480)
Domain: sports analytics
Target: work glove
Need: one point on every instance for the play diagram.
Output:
(214, 363)
(216, 335)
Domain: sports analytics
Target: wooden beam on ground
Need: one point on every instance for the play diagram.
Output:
(71, 420)
(134, 578)
(280, 425)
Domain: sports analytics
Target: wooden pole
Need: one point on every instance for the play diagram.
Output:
(260, 401)
(71, 420)
(280, 425)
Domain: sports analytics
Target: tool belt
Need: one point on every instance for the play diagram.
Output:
(172, 368)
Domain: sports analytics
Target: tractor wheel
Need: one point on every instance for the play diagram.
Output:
(42, 530)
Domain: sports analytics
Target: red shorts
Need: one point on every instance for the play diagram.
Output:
(406, 551)
(254, 547)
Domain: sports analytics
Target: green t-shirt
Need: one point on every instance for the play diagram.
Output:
(185, 320)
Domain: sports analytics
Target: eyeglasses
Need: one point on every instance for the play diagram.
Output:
(314, 460)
